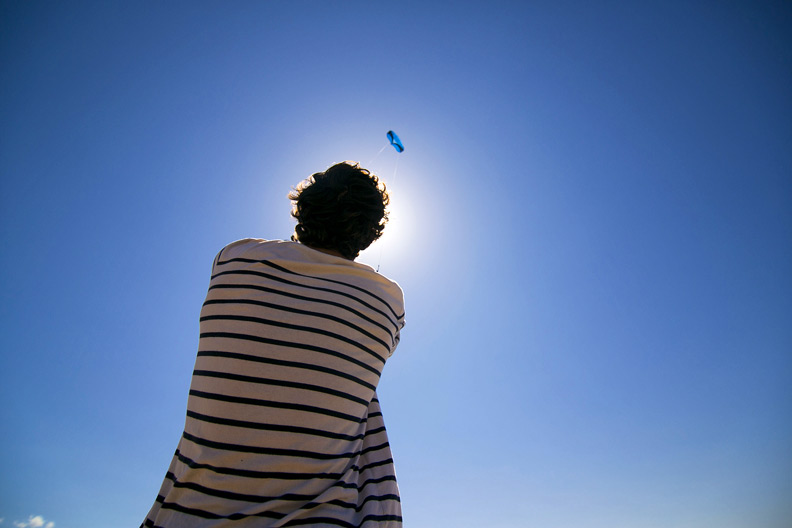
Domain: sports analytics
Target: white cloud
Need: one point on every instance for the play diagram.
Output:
(36, 521)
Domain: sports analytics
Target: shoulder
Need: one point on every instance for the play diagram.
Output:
(294, 259)
(247, 247)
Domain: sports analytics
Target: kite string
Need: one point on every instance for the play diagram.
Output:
(390, 189)
(375, 157)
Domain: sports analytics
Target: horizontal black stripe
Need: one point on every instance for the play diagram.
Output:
(293, 429)
(290, 344)
(310, 313)
(239, 448)
(359, 487)
(277, 405)
(387, 478)
(317, 288)
(377, 464)
(374, 448)
(380, 518)
(289, 476)
(378, 498)
(356, 507)
(372, 432)
(282, 475)
(248, 473)
(262, 499)
(304, 298)
(343, 524)
(284, 363)
(274, 515)
(280, 383)
(291, 326)
(209, 515)
(326, 279)
(245, 497)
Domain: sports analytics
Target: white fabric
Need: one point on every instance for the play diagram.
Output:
(283, 424)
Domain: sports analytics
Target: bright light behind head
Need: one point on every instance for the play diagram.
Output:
(393, 247)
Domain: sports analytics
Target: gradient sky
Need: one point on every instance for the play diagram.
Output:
(592, 224)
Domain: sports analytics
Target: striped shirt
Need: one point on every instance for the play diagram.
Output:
(283, 424)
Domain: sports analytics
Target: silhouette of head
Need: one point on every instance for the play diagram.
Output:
(341, 209)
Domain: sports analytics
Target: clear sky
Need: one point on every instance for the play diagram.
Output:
(592, 225)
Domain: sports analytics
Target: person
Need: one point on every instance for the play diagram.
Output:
(283, 423)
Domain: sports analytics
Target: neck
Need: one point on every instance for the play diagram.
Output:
(333, 252)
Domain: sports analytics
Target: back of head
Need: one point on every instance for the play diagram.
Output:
(341, 209)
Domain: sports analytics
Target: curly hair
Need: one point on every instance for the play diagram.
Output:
(342, 209)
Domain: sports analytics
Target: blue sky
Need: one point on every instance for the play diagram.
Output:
(592, 223)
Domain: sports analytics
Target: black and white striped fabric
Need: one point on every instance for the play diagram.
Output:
(283, 424)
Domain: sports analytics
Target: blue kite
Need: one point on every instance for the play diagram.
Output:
(395, 141)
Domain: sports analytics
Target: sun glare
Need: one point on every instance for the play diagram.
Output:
(394, 244)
